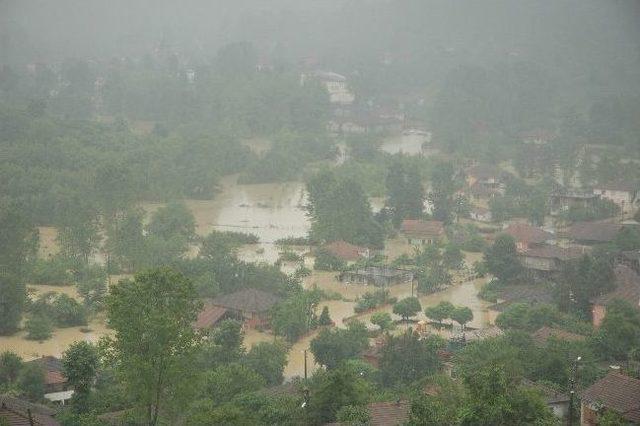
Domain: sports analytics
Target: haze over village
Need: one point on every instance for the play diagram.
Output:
(337, 212)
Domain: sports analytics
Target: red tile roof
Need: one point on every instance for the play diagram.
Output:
(545, 333)
(209, 316)
(548, 251)
(345, 251)
(616, 392)
(16, 412)
(389, 413)
(247, 300)
(417, 228)
(54, 378)
(528, 234)
(593, 231)
(627, 287)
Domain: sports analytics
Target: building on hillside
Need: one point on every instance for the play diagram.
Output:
(627, 288)
(210, 316)
(543, 260)
(630, 259)
(421, 232)
(530, 294)
(480, 214)
(615, 392)
(347, 252)
(249, 305)
(379, 276)
(558, 402)
(623, 194)
(527, 236)
(56, 387)
(485, 175)
(589, 233)
(543, 334)
(480, 192)
(335, 84)
(17, 412)
(563, 199)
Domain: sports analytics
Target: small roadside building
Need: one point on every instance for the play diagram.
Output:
(251, 306)
(563, 199)
(379, 276)
(627, 288)
(421, 232)
(615, 392)
(480, 214)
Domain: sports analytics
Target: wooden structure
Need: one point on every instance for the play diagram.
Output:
(421, 232)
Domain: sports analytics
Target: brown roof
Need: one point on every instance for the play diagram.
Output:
(527, 233)
(548, 251)
(618, 393)
(422, 228)
(484, 172)
(388, 413)
(54, 378)
(627, 287)
(345, 250)
(48, 363)
(551, 396)
(247, 300)
(616, 186)
(545, 333)
(16, 412)
(209, 315)
(593, 231)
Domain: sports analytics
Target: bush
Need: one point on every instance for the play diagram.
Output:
(38, 327)
(293, 241)
(373, 300)
(52, 272)
(325, 261)
(68, 312)
(491, 290)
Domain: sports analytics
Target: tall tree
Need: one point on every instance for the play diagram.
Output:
(443, 187)
(502, 259)
(154, 342)
(405, 194)
(80, 367)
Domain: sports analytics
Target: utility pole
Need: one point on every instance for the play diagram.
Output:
(572, 384)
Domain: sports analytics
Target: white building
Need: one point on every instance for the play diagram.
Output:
(623, 194)
(335, 84)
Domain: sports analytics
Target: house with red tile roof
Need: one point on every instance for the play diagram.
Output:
(249, 305)
(527, 236)
(209, 316)
(56, 387)
(615, 392)
(421, 232)
(346, 251)
(385, 414)
(592, 232)
(627, 288)
(545, 259)
(542, 335)
(17, 412)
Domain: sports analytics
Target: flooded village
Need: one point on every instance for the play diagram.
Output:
(337, 212)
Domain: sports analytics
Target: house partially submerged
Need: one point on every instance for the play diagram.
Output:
(250, 305)
(627, 288)
(615, 392)
(17, 412)
(347, 252)
(379, 276)
(527, 236)
(421, 232)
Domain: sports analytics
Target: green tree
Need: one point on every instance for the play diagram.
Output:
(582, 280)
(324, 319)
(80, 367)
(18, 242)
(382, 320)
(154, 342)
(295, 316)
(353, 415)
(627, 239)
(92, 287)
(227, 381)
(407, 308)
(452, 258)
(333, 346)
(31, 381)
(462, 315)
(440, 312)
(10, 366)
(619, 332)
(68, 312)
(405, 194)
(38, 327)
(333, 390)
(126, 239)
(225, 343)
(443, 187)
(268, 360)
(173, 221)
(407, 358)
(502, 259)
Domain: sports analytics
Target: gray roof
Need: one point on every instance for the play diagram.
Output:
(247, 300)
